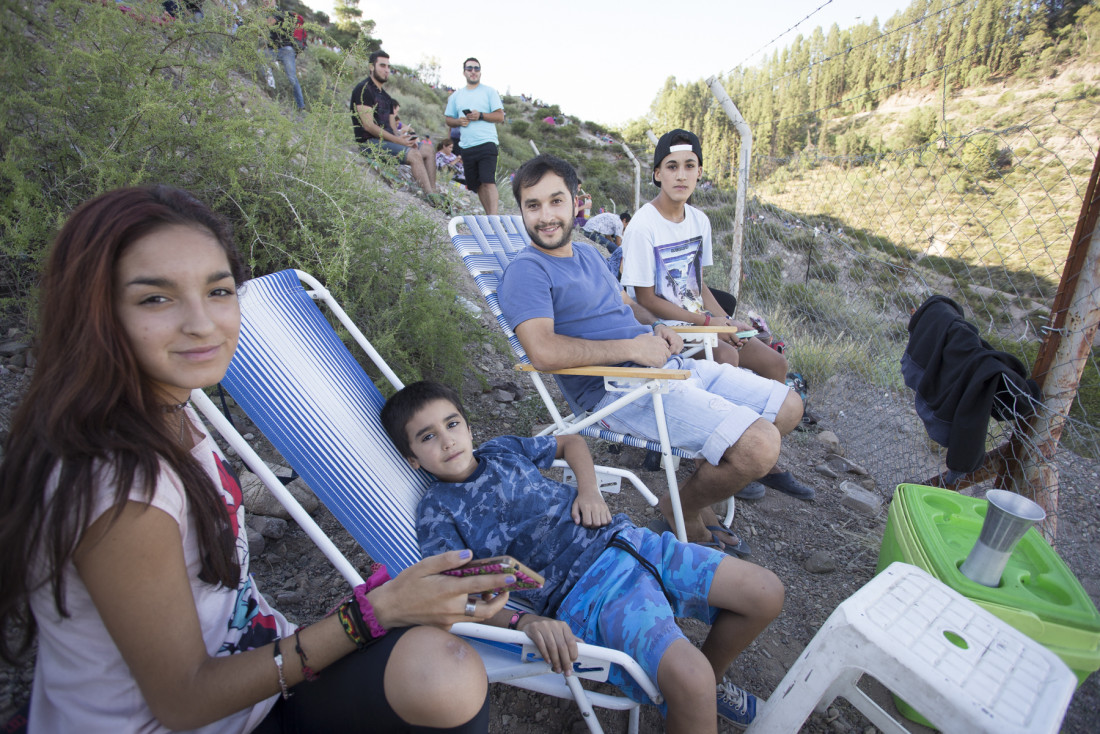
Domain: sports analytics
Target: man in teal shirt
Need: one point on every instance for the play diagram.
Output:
(476, 109)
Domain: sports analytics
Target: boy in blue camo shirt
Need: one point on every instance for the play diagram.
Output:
(607, 582)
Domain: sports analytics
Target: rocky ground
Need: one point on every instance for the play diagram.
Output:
(822, 550)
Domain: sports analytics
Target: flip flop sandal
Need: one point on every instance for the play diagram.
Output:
(740, 550)
(659, 525)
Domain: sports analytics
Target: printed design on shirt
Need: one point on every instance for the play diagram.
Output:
(231, 493)
(678, 273)
(247, 627)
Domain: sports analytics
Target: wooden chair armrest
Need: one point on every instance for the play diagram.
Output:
(689, 328)
(652, 373)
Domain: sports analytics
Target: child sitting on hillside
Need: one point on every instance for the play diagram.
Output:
(445, 158)
(608, 582)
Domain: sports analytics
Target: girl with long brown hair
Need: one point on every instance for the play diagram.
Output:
(122, 541)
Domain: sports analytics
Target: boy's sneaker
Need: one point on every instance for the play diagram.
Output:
(736, 705)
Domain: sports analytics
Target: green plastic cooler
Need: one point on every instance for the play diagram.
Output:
(935, 529)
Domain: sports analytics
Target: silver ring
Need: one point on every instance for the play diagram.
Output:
(471, 607)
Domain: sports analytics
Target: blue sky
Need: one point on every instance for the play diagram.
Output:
(603, 61)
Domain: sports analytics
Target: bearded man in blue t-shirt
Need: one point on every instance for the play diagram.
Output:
(568, 310)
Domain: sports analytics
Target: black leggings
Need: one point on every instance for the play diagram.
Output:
(349, 696)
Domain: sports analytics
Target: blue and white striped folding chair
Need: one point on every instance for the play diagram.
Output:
(293, 376)
(486, 249)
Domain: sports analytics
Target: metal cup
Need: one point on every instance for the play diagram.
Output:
(1009, 516)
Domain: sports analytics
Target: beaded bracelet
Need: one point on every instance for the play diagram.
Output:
(309, 673)
(279, 667)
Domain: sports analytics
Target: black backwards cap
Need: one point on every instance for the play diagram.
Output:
(665, 146)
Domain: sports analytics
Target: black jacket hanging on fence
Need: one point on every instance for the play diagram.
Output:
(960, 381)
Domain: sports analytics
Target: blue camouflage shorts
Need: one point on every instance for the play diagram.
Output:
(619, 604)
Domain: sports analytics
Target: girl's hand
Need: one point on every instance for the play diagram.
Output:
(422, 594)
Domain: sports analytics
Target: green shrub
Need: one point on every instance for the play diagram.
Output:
(828, 272)
(144, 103)
(920, 127)
(764, 276)
(799, 239)
(1081, 90)
(859, 271)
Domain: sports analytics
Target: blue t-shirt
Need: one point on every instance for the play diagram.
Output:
(582, 297)
(482, 98)
(506, 507)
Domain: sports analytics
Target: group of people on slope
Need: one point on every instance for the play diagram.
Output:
(122, 533)
(474, 110)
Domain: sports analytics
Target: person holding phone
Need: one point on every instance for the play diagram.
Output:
(605, 581)
(374, 122)
(123, 545)
(476, 109)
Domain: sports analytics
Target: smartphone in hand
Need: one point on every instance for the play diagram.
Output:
(525, 577)
(466, 112)
(750, 333)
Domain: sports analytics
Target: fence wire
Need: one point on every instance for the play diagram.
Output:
(838, 251)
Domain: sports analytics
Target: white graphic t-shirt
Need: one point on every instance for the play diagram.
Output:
(669, 256)
(81, 681)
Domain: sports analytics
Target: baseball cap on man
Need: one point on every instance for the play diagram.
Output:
(672, 142)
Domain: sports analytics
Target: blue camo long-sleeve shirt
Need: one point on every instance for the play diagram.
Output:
(506, 507)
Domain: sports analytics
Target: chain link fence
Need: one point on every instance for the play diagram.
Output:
(839, 250)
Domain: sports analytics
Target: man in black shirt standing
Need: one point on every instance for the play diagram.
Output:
(371, 109)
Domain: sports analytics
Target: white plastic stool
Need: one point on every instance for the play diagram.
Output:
(958, 665)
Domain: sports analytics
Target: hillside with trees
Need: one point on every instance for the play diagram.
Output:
(809, 91)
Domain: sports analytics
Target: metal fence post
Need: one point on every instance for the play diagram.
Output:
(743, 130)
(637, 176)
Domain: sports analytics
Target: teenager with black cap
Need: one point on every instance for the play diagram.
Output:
(664, 252)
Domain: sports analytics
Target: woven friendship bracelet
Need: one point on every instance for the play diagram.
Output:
(356, 613)
(348, 621)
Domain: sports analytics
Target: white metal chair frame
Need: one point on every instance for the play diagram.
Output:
(507, 655)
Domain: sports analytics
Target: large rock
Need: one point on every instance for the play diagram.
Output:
(820, 562)
(829, 440)
(269, 527)
(259, 501)
(859, 499)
